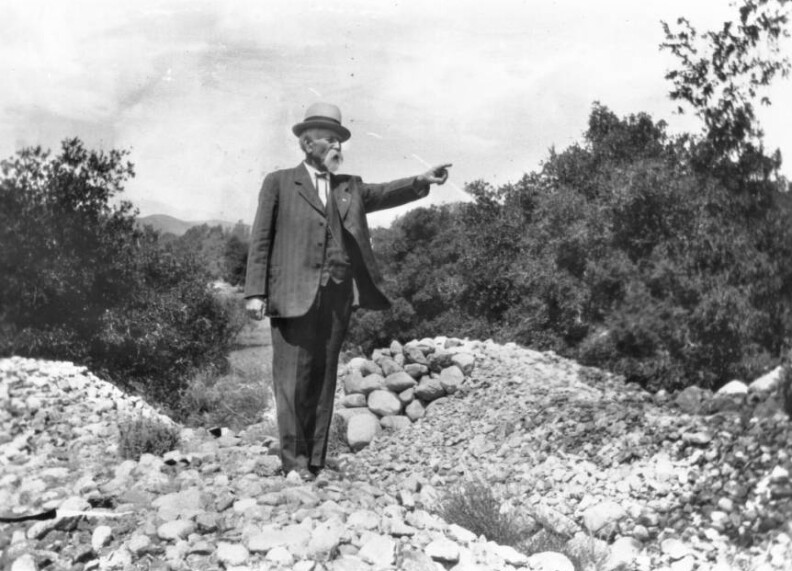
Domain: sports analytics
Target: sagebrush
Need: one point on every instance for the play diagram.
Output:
(145, 435)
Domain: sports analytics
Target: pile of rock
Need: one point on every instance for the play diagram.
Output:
(393, 388)
(763, 397)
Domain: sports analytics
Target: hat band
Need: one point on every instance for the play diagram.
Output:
(321, 118)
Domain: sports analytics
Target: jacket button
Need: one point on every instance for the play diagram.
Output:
(317, 265)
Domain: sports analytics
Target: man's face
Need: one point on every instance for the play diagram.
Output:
(324, 150)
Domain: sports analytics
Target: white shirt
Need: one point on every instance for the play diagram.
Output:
(321, 184)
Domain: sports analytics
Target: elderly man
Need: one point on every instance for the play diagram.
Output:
(310, 262)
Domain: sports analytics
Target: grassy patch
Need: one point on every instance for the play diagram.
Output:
(475, 507)
(146, 436)
(239, 397)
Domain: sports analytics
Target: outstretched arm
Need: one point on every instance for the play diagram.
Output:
(382, 196)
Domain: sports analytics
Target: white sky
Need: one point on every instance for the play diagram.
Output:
(204, 93)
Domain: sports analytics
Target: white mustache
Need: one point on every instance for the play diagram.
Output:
(333, 160)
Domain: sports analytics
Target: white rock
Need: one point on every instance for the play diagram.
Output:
(118, 559)
(443, 550)
(622, 554)
(597, 518)
(280, 555)
(395, 422)
(384, 403)
(511, 556)
(379, 550)
(398, 382)
(355, 364)
(24, 562)
(451, 378)
(179, 505)
(232, 553)
(464, 361)
(687, 563)
(325, 538)
(429, 389)
(347, 563)
(733, 388)
(363, 519)
(357, 383)
(415, 410)
(406, 397)
(767, 382)
(138, 543)
(101, 537)
(674, 548)
(353, 401)
(550, 561)
(244, 504)
(361, 430)
(177, 529)
(460, 534)
(396, 347)
(347, 413)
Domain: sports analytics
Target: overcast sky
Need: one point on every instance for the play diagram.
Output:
(204, 93)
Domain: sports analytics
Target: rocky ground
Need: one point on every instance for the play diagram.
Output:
(629, 479)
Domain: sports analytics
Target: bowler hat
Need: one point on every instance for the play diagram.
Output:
(325, 116)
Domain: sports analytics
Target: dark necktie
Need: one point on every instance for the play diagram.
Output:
(331, 209)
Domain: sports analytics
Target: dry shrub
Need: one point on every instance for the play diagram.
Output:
(147, 436)
(474, 506)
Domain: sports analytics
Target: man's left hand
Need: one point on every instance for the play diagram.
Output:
(435, 175)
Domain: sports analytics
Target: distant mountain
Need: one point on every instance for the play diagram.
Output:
(164, 223)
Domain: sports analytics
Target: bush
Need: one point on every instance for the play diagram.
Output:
(619, 252)
(79, 281)
(147, 436)
(472, 505)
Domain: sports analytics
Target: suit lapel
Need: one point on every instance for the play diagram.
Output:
(305, 187)
(342, 196)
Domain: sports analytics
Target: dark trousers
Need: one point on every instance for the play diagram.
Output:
(304, 365)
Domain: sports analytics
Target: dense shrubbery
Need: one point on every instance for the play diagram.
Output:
(665, 259)
(79, 281)
(221, 252)
(618, 253)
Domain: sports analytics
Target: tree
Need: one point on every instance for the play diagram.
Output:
(720, 75)
(80, 281)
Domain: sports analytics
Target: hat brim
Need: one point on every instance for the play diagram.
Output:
(339, 130)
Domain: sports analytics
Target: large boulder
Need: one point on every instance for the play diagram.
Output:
(361, 430)
(384, 403)
(464, 361)
(356, 383)
(767, 382)
(395, 423)
(429, 389)
(398, 382)
(415, 355)
(389, 366)
(440, 359)
(451, 378)
(415, 410)
(353, 400)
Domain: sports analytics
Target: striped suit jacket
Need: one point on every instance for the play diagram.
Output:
(289, 232)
